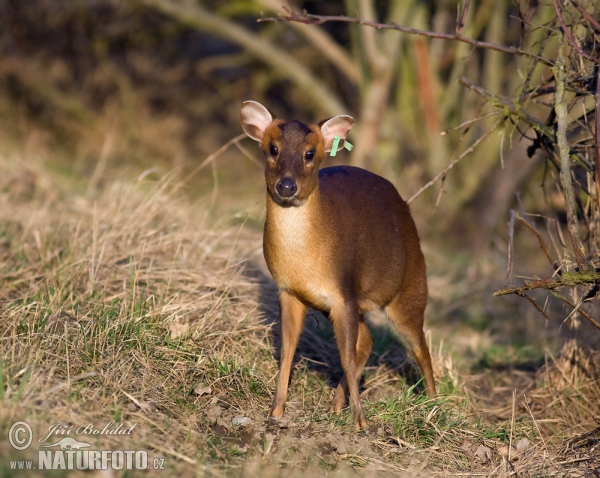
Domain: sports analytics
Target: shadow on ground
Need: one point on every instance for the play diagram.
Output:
(317, 347)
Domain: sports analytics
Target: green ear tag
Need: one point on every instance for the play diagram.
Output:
(348, 145)
(334, 146)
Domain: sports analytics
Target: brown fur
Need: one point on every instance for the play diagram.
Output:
(345, 243)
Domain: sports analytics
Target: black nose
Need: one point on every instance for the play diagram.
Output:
(286, 187)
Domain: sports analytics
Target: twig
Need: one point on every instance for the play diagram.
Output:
(470, 122)
(510, 107)
(534, 303)
(534, 420)
(539, 237)
(463, 18)
(440, 193)
(567, 279)
(558, 295)
(249, 155)
(512, 424)
(533, 67)
(311, 19)
(326, 45)
(453, 163)
(511, 245)
(587, 15)
(570, 37)
(208, 160)
(592, 291)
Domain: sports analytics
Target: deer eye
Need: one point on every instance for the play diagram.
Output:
(273, 150)
(310, 155)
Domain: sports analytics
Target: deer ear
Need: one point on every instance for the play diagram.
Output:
(336, 126)
(255, 119)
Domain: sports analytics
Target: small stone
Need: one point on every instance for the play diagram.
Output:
(241, 421)
(522, 445)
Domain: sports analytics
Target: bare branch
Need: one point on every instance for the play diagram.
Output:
(326, 45)
(568, 279)
(533, 66)
(454, 162)
(320, 19)
(572, 41)
(463, 18)
(570, 303)
(587, 15)
(534, 303)
(539, 237)
(195, 15)
(511, 107)
(470, 122)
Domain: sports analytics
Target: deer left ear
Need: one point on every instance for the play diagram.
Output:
(336, 126)
(255, 119)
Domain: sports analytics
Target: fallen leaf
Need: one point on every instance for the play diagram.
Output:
(505, 450)
(483, 454)
(467, 446)
(201, 390)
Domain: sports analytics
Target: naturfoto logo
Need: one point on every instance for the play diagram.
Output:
(62, 449)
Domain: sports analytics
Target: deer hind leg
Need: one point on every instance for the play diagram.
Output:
(406, 312)
(346, 320)
(363, 351)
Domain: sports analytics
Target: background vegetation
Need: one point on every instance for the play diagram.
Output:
(131, 210)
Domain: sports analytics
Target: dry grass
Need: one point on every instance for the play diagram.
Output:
(131, 304)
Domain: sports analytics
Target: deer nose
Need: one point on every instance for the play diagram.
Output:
(286, 187)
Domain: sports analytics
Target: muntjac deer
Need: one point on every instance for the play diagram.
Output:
(340, 240)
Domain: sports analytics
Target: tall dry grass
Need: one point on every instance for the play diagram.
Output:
(119, 305)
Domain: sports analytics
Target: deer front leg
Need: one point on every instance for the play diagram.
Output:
(292, 320)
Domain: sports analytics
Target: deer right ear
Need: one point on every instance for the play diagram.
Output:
(336, 126)
(255, 119)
